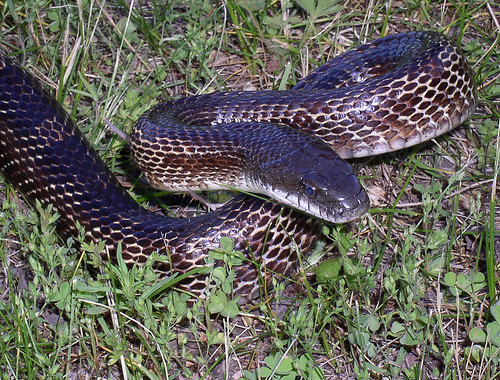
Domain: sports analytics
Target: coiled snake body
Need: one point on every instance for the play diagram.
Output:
(390, 94)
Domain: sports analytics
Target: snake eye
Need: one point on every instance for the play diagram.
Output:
(310, 191)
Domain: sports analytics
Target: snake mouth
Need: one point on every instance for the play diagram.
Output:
(342, 210)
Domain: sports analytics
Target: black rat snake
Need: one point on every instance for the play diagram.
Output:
(390, 94)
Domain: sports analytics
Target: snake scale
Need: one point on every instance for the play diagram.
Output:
(392, 93)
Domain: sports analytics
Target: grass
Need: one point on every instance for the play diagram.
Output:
(406, 292)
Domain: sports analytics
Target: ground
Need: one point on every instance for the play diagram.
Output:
(408, 291)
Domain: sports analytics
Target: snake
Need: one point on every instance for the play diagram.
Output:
(289, 146)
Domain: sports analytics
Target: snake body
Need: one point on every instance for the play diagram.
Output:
(390, 94)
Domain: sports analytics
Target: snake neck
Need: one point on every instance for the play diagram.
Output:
(280, 162)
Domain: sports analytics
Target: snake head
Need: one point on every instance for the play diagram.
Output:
(314, 179)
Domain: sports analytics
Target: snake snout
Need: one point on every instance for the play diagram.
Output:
(340, 196)
(343, 200)
(353, 206)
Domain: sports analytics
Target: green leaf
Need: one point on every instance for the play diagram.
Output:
(227, 244)
(450, 279)
(217, 302)
(279, 364)
(493, 333)
(477, 335)
(373, 323)
(318, 8)
(495, 312)
(329, 269)
(408, 340)
(476, 352)
(479, 278)
(96, 310)
(397, 328)
(219, 273)
(252, 5)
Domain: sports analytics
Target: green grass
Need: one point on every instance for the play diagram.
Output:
(405, 292)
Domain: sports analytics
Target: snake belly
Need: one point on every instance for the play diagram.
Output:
(420, 88)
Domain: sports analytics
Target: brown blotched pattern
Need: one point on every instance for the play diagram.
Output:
(387, 95)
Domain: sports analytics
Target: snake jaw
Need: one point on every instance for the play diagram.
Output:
(338, 211)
